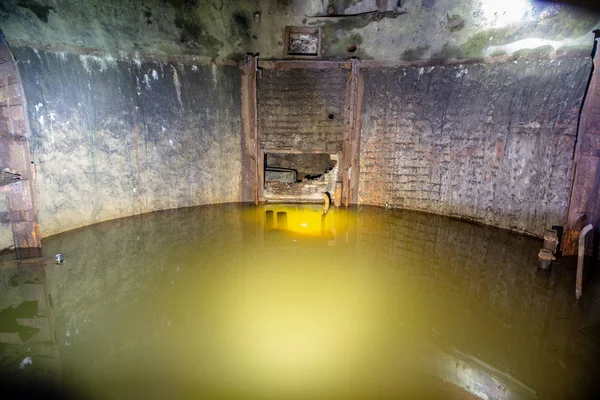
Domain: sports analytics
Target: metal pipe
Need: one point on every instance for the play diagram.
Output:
(580, 259)
(327, 199)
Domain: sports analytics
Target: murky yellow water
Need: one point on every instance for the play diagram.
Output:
(277, 302)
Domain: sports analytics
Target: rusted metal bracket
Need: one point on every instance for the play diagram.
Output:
(251, 173)
(580, 260)
(584, 202)
(352, 128)
(14, 152)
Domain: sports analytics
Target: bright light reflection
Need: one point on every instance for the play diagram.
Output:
(499, 13)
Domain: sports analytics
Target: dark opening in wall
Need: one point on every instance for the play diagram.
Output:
(299, 176)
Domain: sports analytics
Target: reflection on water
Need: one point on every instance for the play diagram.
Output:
(277, 301)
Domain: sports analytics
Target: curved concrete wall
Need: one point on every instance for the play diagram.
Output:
(112, 138)
(116, 135)
(488, 142)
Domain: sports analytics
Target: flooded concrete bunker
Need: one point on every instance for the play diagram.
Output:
(221, 301)
(299, 199)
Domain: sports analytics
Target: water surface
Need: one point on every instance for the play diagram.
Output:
(276, 301)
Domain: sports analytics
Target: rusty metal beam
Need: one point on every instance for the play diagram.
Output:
(352, 126)
(356, 135)
(584, 200)
(14, 153)
(287, 150)
(250, 143)
(299, 64)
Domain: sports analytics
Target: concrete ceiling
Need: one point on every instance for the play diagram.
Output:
(396, 30)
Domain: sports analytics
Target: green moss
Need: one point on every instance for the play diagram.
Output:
(40, 11)
(534, 51)
(568, 24)
(356, 39)
(564, 24)
(346, 4)
(477, 43)
(333, 30)
(417, 53)
(448, 52)
(498, 53)
(240, 26)
(210, 27)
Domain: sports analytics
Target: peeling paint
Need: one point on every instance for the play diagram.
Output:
(177, 85)
(101, 62)
(214, 75)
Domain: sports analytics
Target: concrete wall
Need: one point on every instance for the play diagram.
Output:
(295, 106)
(103, 125)
(115, 137)
(489, 142)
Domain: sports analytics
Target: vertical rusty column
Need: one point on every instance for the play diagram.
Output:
(352, 127)
(251, 172)
(584, 202)
(14, 152)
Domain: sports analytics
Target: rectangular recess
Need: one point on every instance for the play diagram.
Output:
(302, 42)
(305, 189)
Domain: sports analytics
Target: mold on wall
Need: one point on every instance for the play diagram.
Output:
(489, 142)
(432, 30)
(115, 137)
(210, 28)
(390, 30)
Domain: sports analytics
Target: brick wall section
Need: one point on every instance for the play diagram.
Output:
(489, 142)
(295, 105)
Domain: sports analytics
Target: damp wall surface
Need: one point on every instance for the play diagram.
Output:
(374, 29)
(112, 138)
(492, 143)
(302, 109)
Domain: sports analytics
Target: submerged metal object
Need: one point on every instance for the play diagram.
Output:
(546, 257)
(327, 199)
(580, 260)
(551, 240)
(59, 258)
